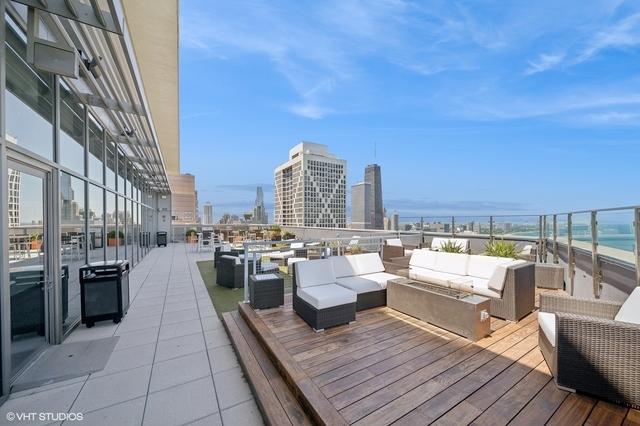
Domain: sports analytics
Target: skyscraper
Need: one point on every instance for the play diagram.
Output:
(207, 214)
(361, 205)
(373, 176)
(259, 211)
(310, 188)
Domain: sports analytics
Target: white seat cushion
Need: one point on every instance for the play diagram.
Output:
(268, 266)
(475, 285)
(396, 242)
(327, 296)
(314, 272)
(359, 284)
(630, 310)
(423, 259)
(381, 278)
(452, 263)
(297, 245)
(547, 322)
(281, 254)
(369, 263)
(431, 276)
(344, 266)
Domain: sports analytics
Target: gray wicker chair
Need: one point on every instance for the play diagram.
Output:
(592, 352)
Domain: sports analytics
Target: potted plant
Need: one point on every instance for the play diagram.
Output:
(36, 241)
(111, 238)
(288, 236)
(451, 247)
(191, 236)
(355, 249)
(276, 233)
(500, 248)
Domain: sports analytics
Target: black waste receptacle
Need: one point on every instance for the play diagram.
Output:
(161, 238)
(104, 290)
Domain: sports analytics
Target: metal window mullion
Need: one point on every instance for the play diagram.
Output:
(86, 184)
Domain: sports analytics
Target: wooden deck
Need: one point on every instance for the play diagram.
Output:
(389, 368)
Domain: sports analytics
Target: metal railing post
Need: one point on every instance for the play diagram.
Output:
(246, 272)
(556, 257)
(570, 258)
(421, 232)
(544, 239)
(491, 229)
(540, 245)
(595, 265)
(453, 226)
(636, 224)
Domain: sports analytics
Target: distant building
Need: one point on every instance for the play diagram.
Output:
(395, 222)
(361, 205)
(259, 211)
(310, 188)
(207, 214)
(373, 176)
(184, 198)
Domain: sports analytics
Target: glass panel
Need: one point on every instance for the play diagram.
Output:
(71, 131)
(581, 230)
(440, 224)
(72, 245)
(616, 237)
(29, 98)
(138, 229)
(121, 173)
(95, 151)
(111, 214)
(27, 266)
(111, 164)
(96, 220)
(129, 180)
(121, 229)
(130, 233)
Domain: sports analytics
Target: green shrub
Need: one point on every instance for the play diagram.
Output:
(452, 247)
(112, 234)
(288, 236)
(501, 249)
(191, 233)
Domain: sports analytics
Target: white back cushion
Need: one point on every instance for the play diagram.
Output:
(423, 259)
(297, 245)
(369, 263)
(499, 277)
(437, 242)
(452, 263)
(484, 266)
(396, 242)
(344, 266)
(315, 272)
(630, 310)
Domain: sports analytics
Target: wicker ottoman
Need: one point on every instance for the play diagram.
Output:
(549, 275)
(266, 291)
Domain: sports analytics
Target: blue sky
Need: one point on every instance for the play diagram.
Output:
(475, 107)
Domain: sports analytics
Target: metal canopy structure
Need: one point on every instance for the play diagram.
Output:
(111, 86)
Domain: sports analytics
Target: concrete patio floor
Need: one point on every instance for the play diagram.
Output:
(173, 363)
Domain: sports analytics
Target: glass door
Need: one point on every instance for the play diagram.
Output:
(29, 278)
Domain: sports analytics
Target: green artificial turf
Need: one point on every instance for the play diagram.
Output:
(226, 299)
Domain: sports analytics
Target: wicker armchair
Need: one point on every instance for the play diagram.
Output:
(592, 352)
(231, 271)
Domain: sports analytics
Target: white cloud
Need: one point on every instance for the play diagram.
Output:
(310, 111)
(544, 63)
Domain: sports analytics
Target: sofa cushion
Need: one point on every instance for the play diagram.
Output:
(452, 263)
(344, 266)
(314, 272)
(381, 278)
(368, 263)
(630, 310)
(431, 276)
(499, 277)
(423, 259)
(326, 296)
(484, 266)
(235, 259)
(463, 283)
(396, 242)
(297, 245)
(281, 254)
(547, 323)
(359, 284)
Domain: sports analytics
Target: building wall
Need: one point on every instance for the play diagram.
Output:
(153, 26)
(361, 206)
(183, 198)
(373, 176)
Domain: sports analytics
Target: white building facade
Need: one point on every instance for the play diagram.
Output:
(310, 188)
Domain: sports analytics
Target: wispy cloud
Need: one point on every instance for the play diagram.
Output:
(434, 208)
(544, 63)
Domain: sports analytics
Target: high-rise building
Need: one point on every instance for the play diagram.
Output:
(361, 205)
(207, 214)
(310, 188)
(373, 176)
(395, 222)
(259, 211)
(184, 201)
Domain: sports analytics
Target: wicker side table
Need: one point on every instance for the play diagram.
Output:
(266, 291)
(549, 275)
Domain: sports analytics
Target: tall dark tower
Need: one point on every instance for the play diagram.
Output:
(373, 176)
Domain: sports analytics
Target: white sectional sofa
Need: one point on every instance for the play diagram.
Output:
(318, 298)
(510, 284)
(365, 274)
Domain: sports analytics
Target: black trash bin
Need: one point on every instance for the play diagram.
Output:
(104, 290)
(161, 238)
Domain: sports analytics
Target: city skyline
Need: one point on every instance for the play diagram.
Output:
(436, 117)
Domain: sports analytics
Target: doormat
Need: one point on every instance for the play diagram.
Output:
(67, 361)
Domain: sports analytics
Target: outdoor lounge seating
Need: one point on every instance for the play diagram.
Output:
(282, 256)
(510, 284)
(592, 346)
(231, 271)
(463, 243)
(364, 274)
(317, 297)
(394, 248)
